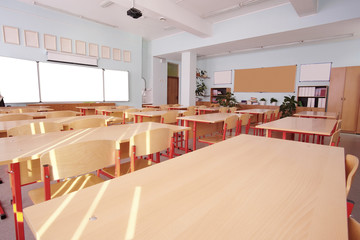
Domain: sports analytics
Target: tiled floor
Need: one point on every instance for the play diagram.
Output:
(350, 142)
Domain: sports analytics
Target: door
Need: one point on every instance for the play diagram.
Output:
(336, 90)
(351, 99)
(173, 90)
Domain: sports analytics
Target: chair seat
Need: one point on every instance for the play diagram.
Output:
(61, 188)
(125, 167)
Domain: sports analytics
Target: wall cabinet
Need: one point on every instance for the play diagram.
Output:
(344, 97)
(313, 96)
(215, 92)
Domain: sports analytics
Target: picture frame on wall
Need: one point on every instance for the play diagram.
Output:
(11, 35)
(50, 42)
(127, 56)
(31, 38)
(65, 44)
(116, 54)
(80, 47)
(93, 50)
(105, 52)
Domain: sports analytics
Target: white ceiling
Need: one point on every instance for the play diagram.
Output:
(196, 17)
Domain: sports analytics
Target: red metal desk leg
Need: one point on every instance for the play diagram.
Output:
(186, 137)
(194, 136)
(17, 199)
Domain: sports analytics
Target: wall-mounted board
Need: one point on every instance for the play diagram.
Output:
(269, 79)
(222, 77)
(315, 72)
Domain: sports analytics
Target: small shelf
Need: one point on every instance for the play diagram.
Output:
(216, 92)
(313, 96)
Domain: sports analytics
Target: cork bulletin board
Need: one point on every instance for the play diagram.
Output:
(270, 79)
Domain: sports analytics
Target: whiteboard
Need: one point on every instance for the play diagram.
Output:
(116, 85)
(315, 72)
(222, 77)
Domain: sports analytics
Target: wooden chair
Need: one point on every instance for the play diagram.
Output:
(144, 144)
(57, 114)
(335, 138)
(14, 117)
(353, 229)
(148, 110)
(191, 111)
(214, 105)
(232, 109)
(351, 165)
(201, 107)
(72, 160)
(276, 114)
(169, 117)
(244, 120)
(223, 109)
(164, 107)
(122, 107)
(127, 116)
(230, 123)
(98, 109)
(176, 105)
(35, 128)
(87, 123)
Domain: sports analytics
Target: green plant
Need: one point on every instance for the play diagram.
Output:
(288, 107)
(272, 100)
(200, 88)
(263, 99)
(227, 100)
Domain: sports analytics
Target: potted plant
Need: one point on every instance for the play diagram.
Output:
(288, 107)
(262, 101)
(200, 85)
(227, 100)
(273, 101)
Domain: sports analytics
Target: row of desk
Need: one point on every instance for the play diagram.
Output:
(246, 188)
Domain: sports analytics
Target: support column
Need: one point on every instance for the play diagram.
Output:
(188, 78)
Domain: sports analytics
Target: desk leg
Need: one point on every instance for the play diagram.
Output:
(186, 137)
(135, 118)
(117, 163)
(141, 118)
(194, 136)
(17, 200)
(284, 135)
(268, 133)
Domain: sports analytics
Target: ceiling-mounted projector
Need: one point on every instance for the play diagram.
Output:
(134, 13)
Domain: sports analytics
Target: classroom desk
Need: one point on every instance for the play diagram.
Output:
(6, 125)
(151, 106)
(150, 116)
(37, 115)
(178, 108)
(246, 187)
(22, 148)
(312, 114)
(38, 108)
(307, 126)
(203, 124)
(259, 113)
(207, 110)
(88, 110)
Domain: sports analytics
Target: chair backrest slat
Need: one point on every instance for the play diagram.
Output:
(35, 128)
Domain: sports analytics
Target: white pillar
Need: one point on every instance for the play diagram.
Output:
(188, 78)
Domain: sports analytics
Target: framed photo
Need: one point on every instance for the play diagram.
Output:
(80, 47)
(117, 54)
(11, 35)
(105, 52)
(65, 44)
(93, 50)
(31, 38)
(50, 42)
(127, 56)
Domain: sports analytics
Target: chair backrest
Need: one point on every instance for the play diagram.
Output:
(35, 128)
(191, 111)
(13, 117)
(188, 113)
(276, 113)
(191, 108)
(351, 165)
(148, 109)
(176, 105)
(78, 158)
(122, 107)
(223, 109)
(245, 118)
(202, 106)
(338, 124)
(151, 141)
(164, 107)
(169, 117)
(127, 114)
(335, 138)
(87, 123)
(214, 105)
(232, 109)
(56, 114)
(231, 122)
(353, 229)
(268, 116)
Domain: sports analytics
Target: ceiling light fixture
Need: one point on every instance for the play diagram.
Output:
(232, 8)
(106, 3)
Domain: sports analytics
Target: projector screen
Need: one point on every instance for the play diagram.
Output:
(19, 80)
(116, 85)
(64, 82)
(315, 72)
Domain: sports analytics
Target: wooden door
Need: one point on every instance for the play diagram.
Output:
(336, 90)
(173, 90)
(351, 99)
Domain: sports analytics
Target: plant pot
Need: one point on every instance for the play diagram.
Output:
(262, 102)
(274, 103)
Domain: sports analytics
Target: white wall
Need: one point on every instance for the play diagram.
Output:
(159, 81)
(341, 53)
(44, 21)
